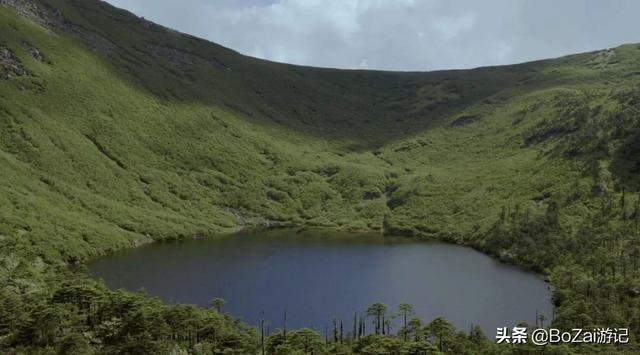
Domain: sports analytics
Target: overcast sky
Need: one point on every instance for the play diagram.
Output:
(400, 34)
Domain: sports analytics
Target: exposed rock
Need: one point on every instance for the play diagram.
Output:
(45, 17)
(35, 52)
(54, 20)
(10, 65)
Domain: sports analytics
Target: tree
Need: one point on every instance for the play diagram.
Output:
(377, 310)
(262, 334)
(75, 343)
(284, 322)
(415, 326)
(387, 325)
(477, 335)
(421, 348)
(307, 340)
(355, 326)
(542, 318)
(217, 304)
(442, 331)
(406, 310)
(361, 326)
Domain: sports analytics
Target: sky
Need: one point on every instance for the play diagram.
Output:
(407, 35)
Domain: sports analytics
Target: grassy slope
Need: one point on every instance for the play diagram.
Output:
(108, 148)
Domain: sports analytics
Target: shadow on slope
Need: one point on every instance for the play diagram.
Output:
(366, 108)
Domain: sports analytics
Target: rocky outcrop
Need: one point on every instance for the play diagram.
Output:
(45, 17)
(10, 65)
(35, 53)
(54, 20)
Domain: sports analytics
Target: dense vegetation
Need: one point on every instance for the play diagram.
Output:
(116, 132)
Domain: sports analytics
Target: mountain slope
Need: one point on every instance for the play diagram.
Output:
(115, 131)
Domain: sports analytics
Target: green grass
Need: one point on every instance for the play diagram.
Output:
(142, 148)
(109, 148)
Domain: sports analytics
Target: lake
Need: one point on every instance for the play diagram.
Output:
(319, 275)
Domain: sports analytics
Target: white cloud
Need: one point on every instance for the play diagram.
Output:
(400, 34)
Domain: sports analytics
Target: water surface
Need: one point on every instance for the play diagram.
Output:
(319, 275)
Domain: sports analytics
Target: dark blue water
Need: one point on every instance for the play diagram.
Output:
(320, 275)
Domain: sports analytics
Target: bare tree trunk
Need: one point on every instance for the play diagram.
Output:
(262, 334)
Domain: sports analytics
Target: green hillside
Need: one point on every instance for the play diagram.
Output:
(115, 132)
